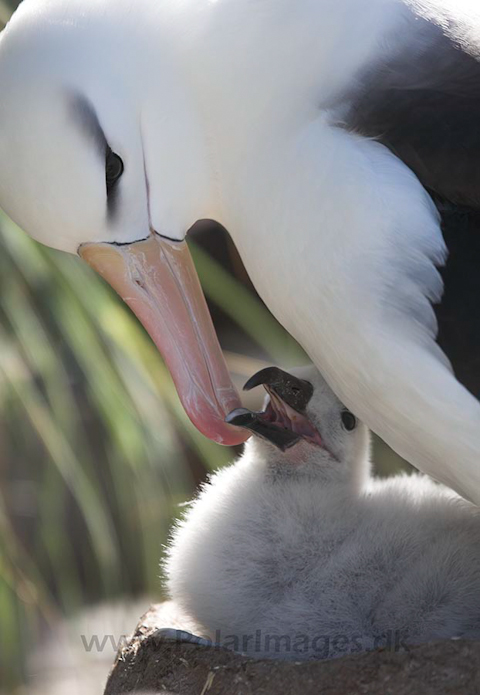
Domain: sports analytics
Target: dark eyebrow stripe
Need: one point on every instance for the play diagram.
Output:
(85, 116)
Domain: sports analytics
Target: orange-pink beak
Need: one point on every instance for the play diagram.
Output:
(158, 280)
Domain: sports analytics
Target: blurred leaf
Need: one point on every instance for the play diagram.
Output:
(5, 12)
(245, 309)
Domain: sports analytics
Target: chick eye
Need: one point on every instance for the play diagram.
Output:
(113, 169)
(349, 420)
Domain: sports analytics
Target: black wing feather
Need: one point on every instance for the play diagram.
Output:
(423, 103)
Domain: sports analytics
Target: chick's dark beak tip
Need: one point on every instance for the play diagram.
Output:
(241, 417)
(283, 439)
(297, 393)
(267, 376)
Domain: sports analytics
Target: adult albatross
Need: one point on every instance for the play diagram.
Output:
(324, 135)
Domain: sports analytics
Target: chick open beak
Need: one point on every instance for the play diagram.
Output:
(283, 422)
(157, 279)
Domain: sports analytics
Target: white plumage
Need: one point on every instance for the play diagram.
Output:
(304, 555)
(241, 112)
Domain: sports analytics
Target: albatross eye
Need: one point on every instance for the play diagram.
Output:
(113, 169)
(349, 420)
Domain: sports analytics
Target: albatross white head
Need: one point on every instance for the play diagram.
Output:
(86, 167)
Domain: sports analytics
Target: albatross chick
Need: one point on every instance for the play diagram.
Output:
(296, 551)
